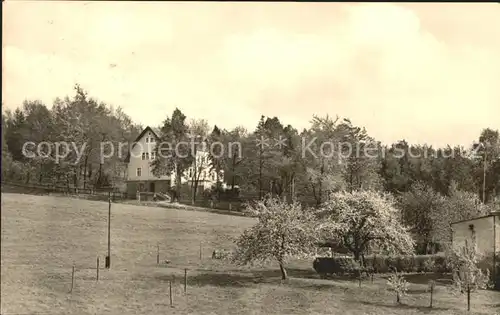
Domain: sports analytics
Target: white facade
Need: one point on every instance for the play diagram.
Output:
(142, 154)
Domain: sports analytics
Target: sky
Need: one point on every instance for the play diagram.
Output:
(423, 72)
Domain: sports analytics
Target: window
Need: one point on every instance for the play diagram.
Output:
(153, 155)
(147, 139)
(143, 155)
(139, 171)
(147, 155)
(152, 140)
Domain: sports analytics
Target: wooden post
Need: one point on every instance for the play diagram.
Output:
(200, 251)
(185, 280)
(97, 277)
(72, 278)
(170, 289)
(108, 258)
(468, 297)
(432, 292)
(157, 254)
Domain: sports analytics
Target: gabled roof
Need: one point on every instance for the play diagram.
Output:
(156, 132)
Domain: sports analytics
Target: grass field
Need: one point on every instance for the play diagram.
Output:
(43, 236)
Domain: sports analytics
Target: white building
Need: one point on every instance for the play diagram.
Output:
(140, 172)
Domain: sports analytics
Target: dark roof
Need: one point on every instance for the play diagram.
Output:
(156, 132)
(492, 214)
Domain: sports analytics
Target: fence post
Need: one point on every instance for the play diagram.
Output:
(170, 289)
(432, 291)
(97, 278)
(108, 258)
(200, 252)
(157, 254)
(72, 278)
(359, 277)
(185, 280)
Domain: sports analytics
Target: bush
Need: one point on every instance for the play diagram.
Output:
(405, 263)
(335, 265)
(378, 263)
(383, 264)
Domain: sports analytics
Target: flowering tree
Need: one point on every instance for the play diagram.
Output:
(283, 230)
(398, 283)
(467, 276)
(364, 219)
(459, 205)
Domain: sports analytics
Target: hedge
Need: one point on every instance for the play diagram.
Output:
(383, 264)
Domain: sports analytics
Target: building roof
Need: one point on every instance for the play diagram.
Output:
(156, 132)
(491, 214)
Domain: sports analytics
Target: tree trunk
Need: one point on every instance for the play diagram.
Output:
(232, 172)
(85, 172)
(178, 184)
(468, 297)
(99, 177)
(260, 176)
(40, 176)
(357, 256)
(218, 179)
(283, 271)
(75, 177)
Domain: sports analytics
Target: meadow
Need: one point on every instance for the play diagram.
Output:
(43, 237)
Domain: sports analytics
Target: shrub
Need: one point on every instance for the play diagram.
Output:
(391, 263)
(405, 263)
(441, 265)
(378, 263)
(335, 265)
(383, 264)
(398, 283)
(429, 265)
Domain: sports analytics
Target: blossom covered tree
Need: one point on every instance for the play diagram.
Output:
(362, 220)
(283, 230)
(467, 276)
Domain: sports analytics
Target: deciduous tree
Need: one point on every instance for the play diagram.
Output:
(283, 230)
(364, 219)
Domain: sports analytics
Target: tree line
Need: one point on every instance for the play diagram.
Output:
(428, 183)
(80, 120)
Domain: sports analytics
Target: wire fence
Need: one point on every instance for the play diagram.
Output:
(103, 193)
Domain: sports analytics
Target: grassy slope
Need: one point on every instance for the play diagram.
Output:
(43, 236)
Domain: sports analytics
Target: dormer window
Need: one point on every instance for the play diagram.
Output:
(147, 139)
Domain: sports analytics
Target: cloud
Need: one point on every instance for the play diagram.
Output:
(403, 71)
